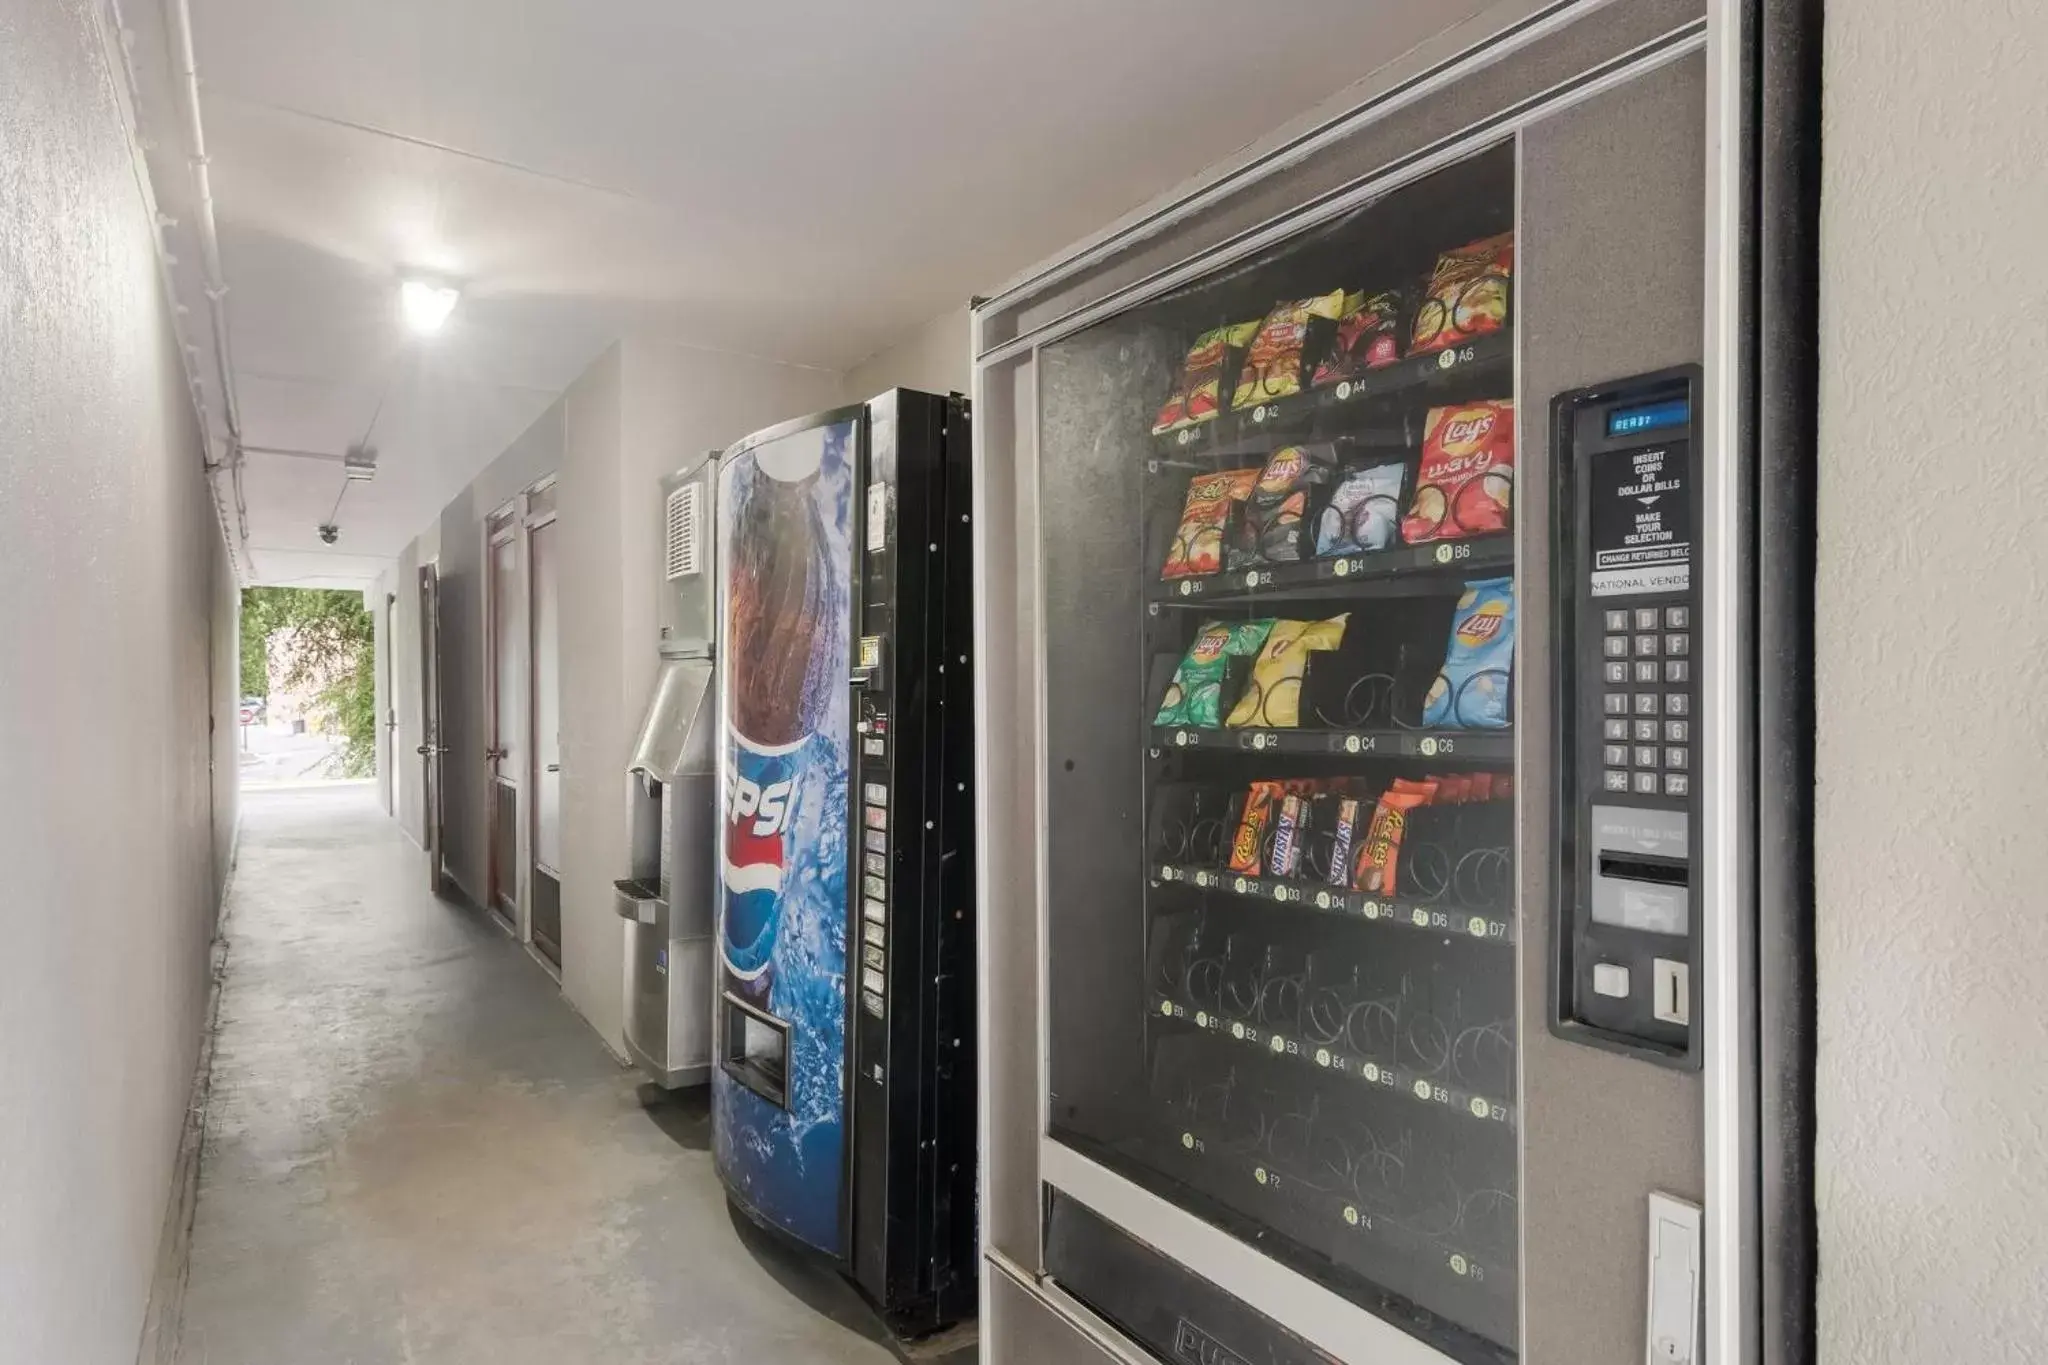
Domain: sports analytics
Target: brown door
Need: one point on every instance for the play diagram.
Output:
(430, 748)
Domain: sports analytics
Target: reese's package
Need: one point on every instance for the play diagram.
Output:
(1368, 337)
(1195, 696)
(1472, 691)
(1272, 699)
(1274, 529)
(1379, 858)
(1364, 511)
(1198, 544)
(1248, 845)
(1211, 364)
(1465, 484)
(1273, 367)
(1467, 296)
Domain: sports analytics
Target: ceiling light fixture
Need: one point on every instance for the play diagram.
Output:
(426, 305)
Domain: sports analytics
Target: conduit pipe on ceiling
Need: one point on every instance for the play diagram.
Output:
(209, 249)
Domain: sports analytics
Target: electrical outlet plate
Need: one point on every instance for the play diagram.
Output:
(1672, 1329)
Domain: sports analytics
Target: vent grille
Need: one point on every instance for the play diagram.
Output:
(684, 533)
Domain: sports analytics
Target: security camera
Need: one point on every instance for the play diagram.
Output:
(329, 532)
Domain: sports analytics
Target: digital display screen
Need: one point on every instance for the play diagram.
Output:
(1673, 412)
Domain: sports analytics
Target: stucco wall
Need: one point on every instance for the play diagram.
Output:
(934, 358)
(116, 719)
(1932, 868)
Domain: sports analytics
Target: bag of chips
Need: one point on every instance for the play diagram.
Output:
(1465, 485)
(1379, 859)
(1198, 545)
(1195, 696)
(1368, 337)
(1290, 335)
(1274, 528)
(1364, 513)
(1472, 691)
(1272, 699)
(1211, 365)
(1247, 848)
(1468, 295)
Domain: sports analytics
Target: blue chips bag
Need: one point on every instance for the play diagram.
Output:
(1473, 690)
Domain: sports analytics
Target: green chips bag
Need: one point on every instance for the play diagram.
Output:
(1195, 696)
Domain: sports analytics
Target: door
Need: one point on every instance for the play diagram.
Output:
(506, 750)
(547, 750)
(779, 1091)
(430, 748)
(387, 773)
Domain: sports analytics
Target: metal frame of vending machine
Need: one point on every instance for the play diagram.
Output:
(843, 1098)
(1557, 1110)
(671, 804)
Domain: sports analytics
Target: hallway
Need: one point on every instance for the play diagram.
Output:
(417, 1153)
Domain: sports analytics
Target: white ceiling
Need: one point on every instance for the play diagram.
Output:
(802, 179)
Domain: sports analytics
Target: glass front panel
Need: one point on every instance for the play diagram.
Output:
(1279, 586)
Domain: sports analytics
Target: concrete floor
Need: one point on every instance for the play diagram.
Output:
(417, 1154)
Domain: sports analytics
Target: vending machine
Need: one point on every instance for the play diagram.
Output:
(1390, 567)
(843, 1096)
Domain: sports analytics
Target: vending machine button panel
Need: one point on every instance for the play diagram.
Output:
(1625, 929)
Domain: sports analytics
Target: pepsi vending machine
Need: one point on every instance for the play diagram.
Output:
(843, 1102)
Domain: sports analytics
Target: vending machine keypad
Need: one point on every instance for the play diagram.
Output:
(1625, 928)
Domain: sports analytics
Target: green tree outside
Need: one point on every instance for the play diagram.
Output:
(334, 638)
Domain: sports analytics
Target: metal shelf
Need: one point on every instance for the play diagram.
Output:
(1396, 1079)
(1475, 746)
(1481, 926)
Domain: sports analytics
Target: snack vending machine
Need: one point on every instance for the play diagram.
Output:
(1389, 952)
(843, 1095)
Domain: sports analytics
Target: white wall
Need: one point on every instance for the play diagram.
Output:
(116, 617)
(1932, 928)
(936, 358)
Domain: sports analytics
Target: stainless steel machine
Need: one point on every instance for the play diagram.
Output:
(672, 800)
(1391, 588)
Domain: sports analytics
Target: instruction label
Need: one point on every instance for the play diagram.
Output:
(1641, 521)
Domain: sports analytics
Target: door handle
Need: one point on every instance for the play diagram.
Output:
(554, 767)
(424, 749)
(494, 753)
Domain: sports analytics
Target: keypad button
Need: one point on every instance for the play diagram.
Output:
(1646, 645)
(1616, 703)
(1646, 670)
(1614, 755)
(1677, 618)
(1677, 670)
(1646, 703)
(1677, 704)
(1646, 618)
(1615, 670)
(1646, 755)
(1677, 757)
(1617, 620)
(1677, 731)
(1678, 643)
(1617, 646)
(1615, 729)
(1646, 784)
(1646, 731)
(1614, 781)
(1677, 784)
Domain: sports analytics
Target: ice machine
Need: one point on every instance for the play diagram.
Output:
(1391, 571)
(843, 1097)
(671, 797)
